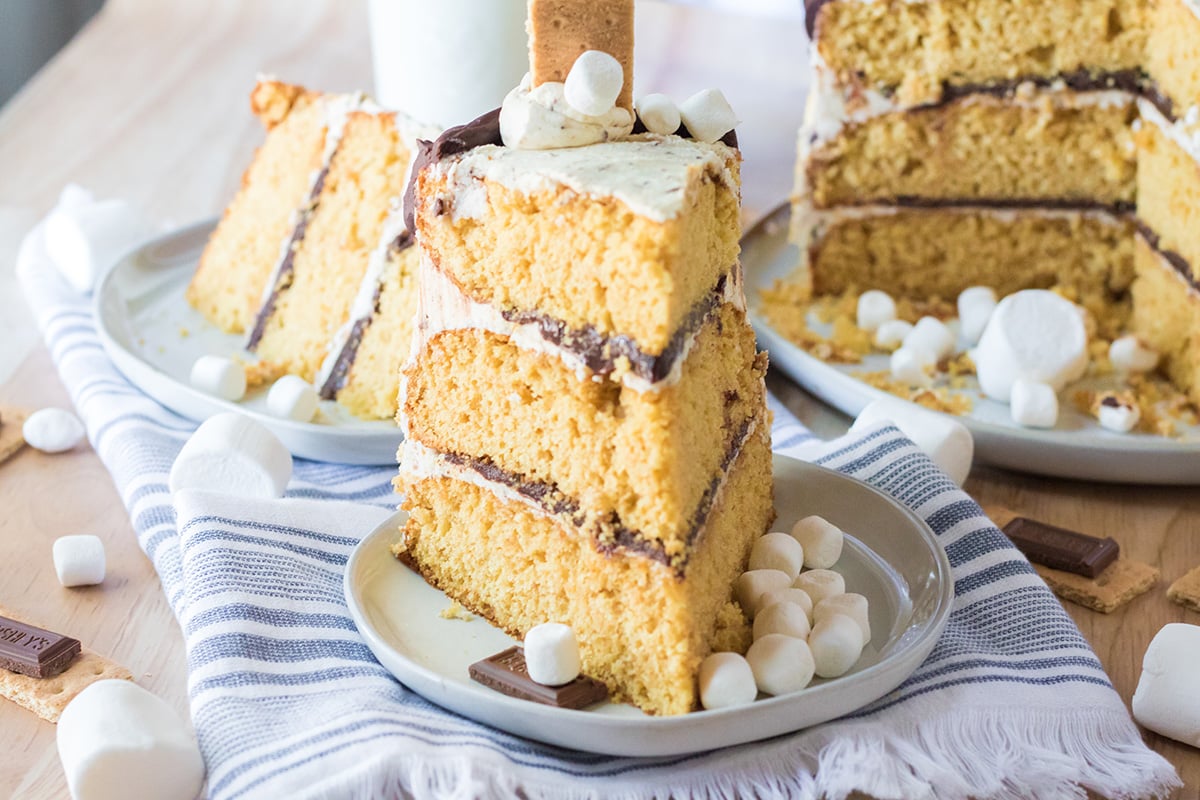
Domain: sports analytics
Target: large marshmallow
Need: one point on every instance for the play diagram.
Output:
(874, 309)
(820, 583)
(116, 741)
(932, 335)
(726, 680)
(552, 654)
(1131, 354)
(781, 664)
(821, 541)
(219, 376)
(789, 594)
(975, 307)
(1033, 404)
(85, 238)
(946, 440)
(232, 453)
(1033, 334)
(707, 115)
(778, 551)
(913, 366)
(52, 430)
(1167, 698)
(836, 643)
(852, 605)
(79, 560)
(594, 83)
(752, 585)
(890, 335)
(658, 113)
(292, 397)
(789, 619)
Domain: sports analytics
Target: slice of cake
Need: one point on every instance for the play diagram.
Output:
(584, 407)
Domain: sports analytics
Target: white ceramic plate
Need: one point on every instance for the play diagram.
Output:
(893, 559)
(1077, 448)
(153, 336)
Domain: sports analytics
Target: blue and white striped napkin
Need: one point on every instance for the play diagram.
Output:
(288, 701)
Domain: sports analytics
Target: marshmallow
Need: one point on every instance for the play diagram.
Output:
(751, 586)
(52, 430)
(821, 540)
(851, 605)
(1033, 404)
(946, 440)
(836, 643)
(116, 741)
(781, 664)
(975, 307)
(594, 82)
(707, 115)
(552, 654)
(726, 680)
(658, 113)
(292, 397)
(219, 376)
(1118, 415)
(1130, 354)
(1167, 697)
(1032, 334)
(789, 594)
(778, 551)
(784, 618)
(891, 334)
(913, 366)
(874, 309)
(820, 583)
(232, 453)
(932, 335)
(540, 118)
(84, 238)
(79, 560)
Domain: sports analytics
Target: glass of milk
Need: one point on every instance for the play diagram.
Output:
(445, 62)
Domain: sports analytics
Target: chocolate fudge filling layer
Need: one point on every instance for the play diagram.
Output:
(1176, 260)
(613, 536)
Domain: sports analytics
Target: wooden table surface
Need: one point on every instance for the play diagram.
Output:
(149, 103)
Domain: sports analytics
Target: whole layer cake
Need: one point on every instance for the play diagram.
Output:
(584, 406)
(1016, 144)
(311, 259)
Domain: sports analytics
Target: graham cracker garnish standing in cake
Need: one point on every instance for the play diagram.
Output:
(560, 30)
(11, 438)
(1186, 590)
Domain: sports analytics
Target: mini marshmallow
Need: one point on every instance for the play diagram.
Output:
(784, 618)
(821, 541)
(594, 83)
(913, 366)
(726, 680)
(932, 335)
(836, 643)
(778, 551)
(219, 376)
(1131, 354)
(552, 654)
(232, 453)
(658, 113)
(79, 560)
(820, 583)
(781, 664)
(849, 604)
(1117, 415)
(752, 585)
(975, 307)
(874, 309)
(946, 440)
(1167, 697)
(84, 238)
(707, 115)
(892, 334)
(116, 740)
(1033, 404)
(52, 430)
(1033, 334)
(292, 397)
(789, 594)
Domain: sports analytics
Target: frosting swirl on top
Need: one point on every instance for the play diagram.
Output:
(540, 118)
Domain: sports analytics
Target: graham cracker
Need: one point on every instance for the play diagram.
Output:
(47, 697)
(1122, 581)
(11, 438)
(561, 30)
(1186, 590)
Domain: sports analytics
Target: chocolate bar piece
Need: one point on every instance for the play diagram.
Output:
(506, 673)
(1059, 548)
(33, 651)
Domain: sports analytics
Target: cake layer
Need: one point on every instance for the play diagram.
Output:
(630, 459)
(1056, 145)
(643, 627)
(1173, 53)
(917, 46)
(1166, 314)
(623, 238)
(1169, 184)
(244, 249)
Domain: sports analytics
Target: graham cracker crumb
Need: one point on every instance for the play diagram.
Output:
(456, 611)
(11, 438)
